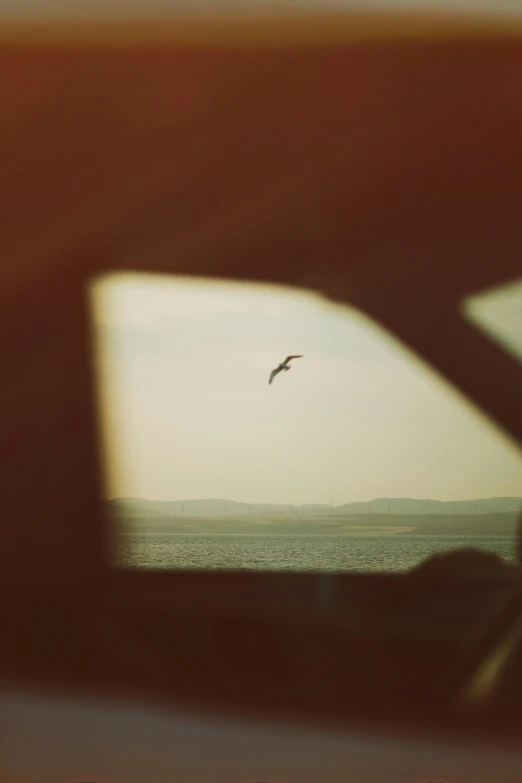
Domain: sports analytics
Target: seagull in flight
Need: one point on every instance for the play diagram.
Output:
(283, 366)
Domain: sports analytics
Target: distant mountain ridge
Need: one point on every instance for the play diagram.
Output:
(127, 508)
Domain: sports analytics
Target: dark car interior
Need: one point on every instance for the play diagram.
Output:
(376, 163)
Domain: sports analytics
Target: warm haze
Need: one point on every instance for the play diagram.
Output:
(188, 412)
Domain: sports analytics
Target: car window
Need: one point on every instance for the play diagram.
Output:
(352, 456)
(499, 314)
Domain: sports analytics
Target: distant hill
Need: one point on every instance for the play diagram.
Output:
(450, 507)
(136, 508)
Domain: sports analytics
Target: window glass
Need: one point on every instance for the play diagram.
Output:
(499, 314)
(356, 457)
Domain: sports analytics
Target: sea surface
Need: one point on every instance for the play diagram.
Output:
(293, 553)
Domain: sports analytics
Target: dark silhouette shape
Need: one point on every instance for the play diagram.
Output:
(283, 366)
(468, 560)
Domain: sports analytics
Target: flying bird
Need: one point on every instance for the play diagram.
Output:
(283, 366)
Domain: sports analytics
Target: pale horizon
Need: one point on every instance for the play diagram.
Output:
(362, 501)
(187, 411)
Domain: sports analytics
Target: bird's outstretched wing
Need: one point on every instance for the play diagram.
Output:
(273, 375)
(297, 356)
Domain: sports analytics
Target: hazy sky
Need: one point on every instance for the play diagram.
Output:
(189, 413)
(499, 313)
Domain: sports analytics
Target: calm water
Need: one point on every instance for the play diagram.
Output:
(293, 553)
